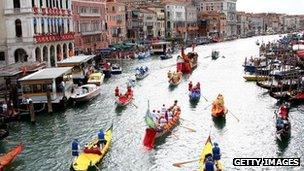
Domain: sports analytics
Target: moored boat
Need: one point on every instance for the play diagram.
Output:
(92, 154)
(142, 72)
(166, 56)
(206, 152)
(157, 131)
(7, 158)
(116, 69)
(175, 78)
(123, 100)
(85, 93)
(255, 77)
(96, 78)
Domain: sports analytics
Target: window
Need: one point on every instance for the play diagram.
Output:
(42, 26)
(2, 56)
(41, 4)
(67, 4)
(16, 3)
(33, 3)
(35, 25)
(18, 28)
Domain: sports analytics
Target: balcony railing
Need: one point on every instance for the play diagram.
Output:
(90, 32)
(54, 37)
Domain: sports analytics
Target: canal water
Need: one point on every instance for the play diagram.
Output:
(47, 144)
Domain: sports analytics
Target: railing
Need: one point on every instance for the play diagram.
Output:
(51, 11)
(90, 32)
(54, 37)
(90, 14)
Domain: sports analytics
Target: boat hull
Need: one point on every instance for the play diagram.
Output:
(207, 150)
(255, 78)
(86, 97)
(122, 103)
(86, 161)
(140, 77)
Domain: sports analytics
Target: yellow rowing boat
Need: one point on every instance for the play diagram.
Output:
(92, 154)
(207, 150)
(255, 78)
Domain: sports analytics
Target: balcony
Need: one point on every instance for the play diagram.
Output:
(17, 11)
(54, 37)
(85, 33)
(19, 40)
(90, 14)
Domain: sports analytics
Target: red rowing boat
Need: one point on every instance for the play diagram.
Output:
(124, 100)
(7, 158)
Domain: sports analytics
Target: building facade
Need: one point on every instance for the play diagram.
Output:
(160, 21)
(89, 25)
(42, 30)
(191, 19)
(228, 7)
(116, 21)
(212, 24)
(175, 20)
(3, 47)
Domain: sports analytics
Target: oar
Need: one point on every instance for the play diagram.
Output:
(133, 103)
(234, 116)
(207, 106)
(185, 162)
(190, 129)
(205, 98)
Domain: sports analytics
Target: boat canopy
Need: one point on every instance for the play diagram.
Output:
(75, 60)
(47, 74)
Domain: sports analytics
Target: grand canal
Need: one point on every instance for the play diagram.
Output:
(47, 144)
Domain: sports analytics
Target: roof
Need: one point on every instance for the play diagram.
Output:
(76, 59)
(47, 74)
(17, 68)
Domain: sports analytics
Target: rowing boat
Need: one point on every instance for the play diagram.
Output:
(7, 158)
(207, 150)
(92, 154)
(153, 134)
(175, 78)
(124, 100)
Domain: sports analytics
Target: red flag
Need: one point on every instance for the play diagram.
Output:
(149, 138)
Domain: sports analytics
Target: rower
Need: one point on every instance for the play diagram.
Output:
(154, 116)
(198, 85)
(163, 109)
(116, 91)
(283, 112)
(75, 148)
(162, 121)
(190, 86)
(209, 164)
(216, 151)
(101, 139)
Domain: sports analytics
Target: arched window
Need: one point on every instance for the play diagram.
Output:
(42, 26)
(61, 4)
(47, 3)
(62, 26)
(57, 4)
(67, 4)
(49, 25)
(35, 25)
(18, 28)
(33, 3)
(68, 25)
(16, 3)
(41, 3)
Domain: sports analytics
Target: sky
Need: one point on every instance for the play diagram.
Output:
(292, 7)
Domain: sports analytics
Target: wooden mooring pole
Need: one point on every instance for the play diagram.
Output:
(31, 110)
(49, 101)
